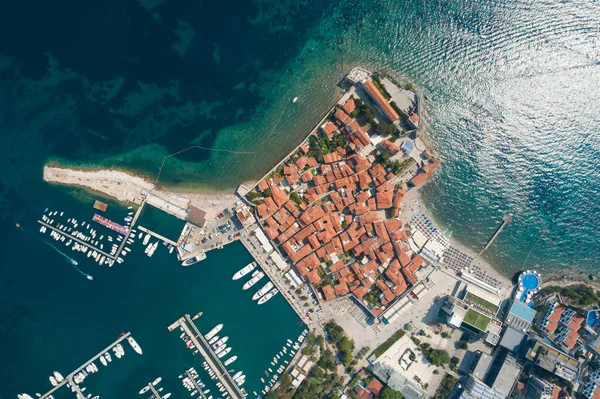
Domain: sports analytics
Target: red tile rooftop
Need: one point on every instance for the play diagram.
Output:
(314, 277)
(328, 292)
(341, 116)
(304, 148)
(414, 118)
(328, 128)
(360, 292)
(390, 147)
(262, 185)
(381, 101)
(375, 386)
(341, 289)
(349, 106)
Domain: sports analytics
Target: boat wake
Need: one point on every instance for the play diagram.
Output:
(72, 261)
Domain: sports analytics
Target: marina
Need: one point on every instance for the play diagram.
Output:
(195, 384)
(210, 356)
(156, 393)
(70, 378)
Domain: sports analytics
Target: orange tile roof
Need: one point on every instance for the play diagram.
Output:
(328, 292)
(262, 185)
(341, 289)
(381, 101)
(341, 116)
(349, 106)
(328, 128)
(375, 386)
(360, 292)
(390, 147)
(314, 277)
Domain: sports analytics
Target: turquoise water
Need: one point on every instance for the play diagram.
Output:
(161, 222)
(511, 107)
(53, 318)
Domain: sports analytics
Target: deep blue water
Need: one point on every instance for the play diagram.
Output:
(510, 91)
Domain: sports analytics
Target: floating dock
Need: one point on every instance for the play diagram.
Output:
(110, 224)
(69, 378)
(101, 206)
(211, 358)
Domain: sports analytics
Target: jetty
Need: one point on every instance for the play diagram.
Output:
(155, 393)
(69, 378)
(507, 219)
(211, 358)
(156, 235)
(135, 218)
(71, 236)
(195, 384)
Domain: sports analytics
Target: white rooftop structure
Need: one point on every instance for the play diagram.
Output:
(278, 260)
(264, 241)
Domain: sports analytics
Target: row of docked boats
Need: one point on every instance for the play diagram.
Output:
(81, 237)
(265, 293)
(159, 390)
(192, 382)
(289, 349)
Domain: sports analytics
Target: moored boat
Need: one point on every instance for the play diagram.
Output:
(194, 259)
(243, 271)
(134, 345)
(270, 295)
(223, 352)
(255, 278)
(213, 332)
(266, 288)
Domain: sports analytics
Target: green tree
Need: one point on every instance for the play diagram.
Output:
(462, 344)
(286, 381)
(438, 357)
(389, 393)
(267, 193)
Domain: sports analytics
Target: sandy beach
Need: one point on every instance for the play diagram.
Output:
(126, 187)
(412, 201)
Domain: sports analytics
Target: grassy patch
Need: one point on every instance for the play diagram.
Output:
(482, 302)
(476, 319)
(387, 344)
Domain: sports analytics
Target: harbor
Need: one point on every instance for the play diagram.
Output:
(210, 357)
(71, 380)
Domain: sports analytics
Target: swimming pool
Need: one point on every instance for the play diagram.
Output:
(530, 282)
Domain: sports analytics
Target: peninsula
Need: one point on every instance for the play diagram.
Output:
(338, 228)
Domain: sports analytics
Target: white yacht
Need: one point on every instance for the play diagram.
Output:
(266, 288)
(270, 295)
(213, 332)
(58, 376)
(243, 271)
(144, 390)
(146, 239)
(223, 352)
(256, 276)
(134, 345)
(53, 381)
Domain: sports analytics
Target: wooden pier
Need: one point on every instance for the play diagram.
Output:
(195, 384)
(211, 358)
(69, 378)
(507, 219)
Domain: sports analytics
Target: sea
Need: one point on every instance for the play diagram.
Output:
(511, 105)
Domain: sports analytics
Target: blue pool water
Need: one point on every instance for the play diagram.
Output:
(530, 282)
